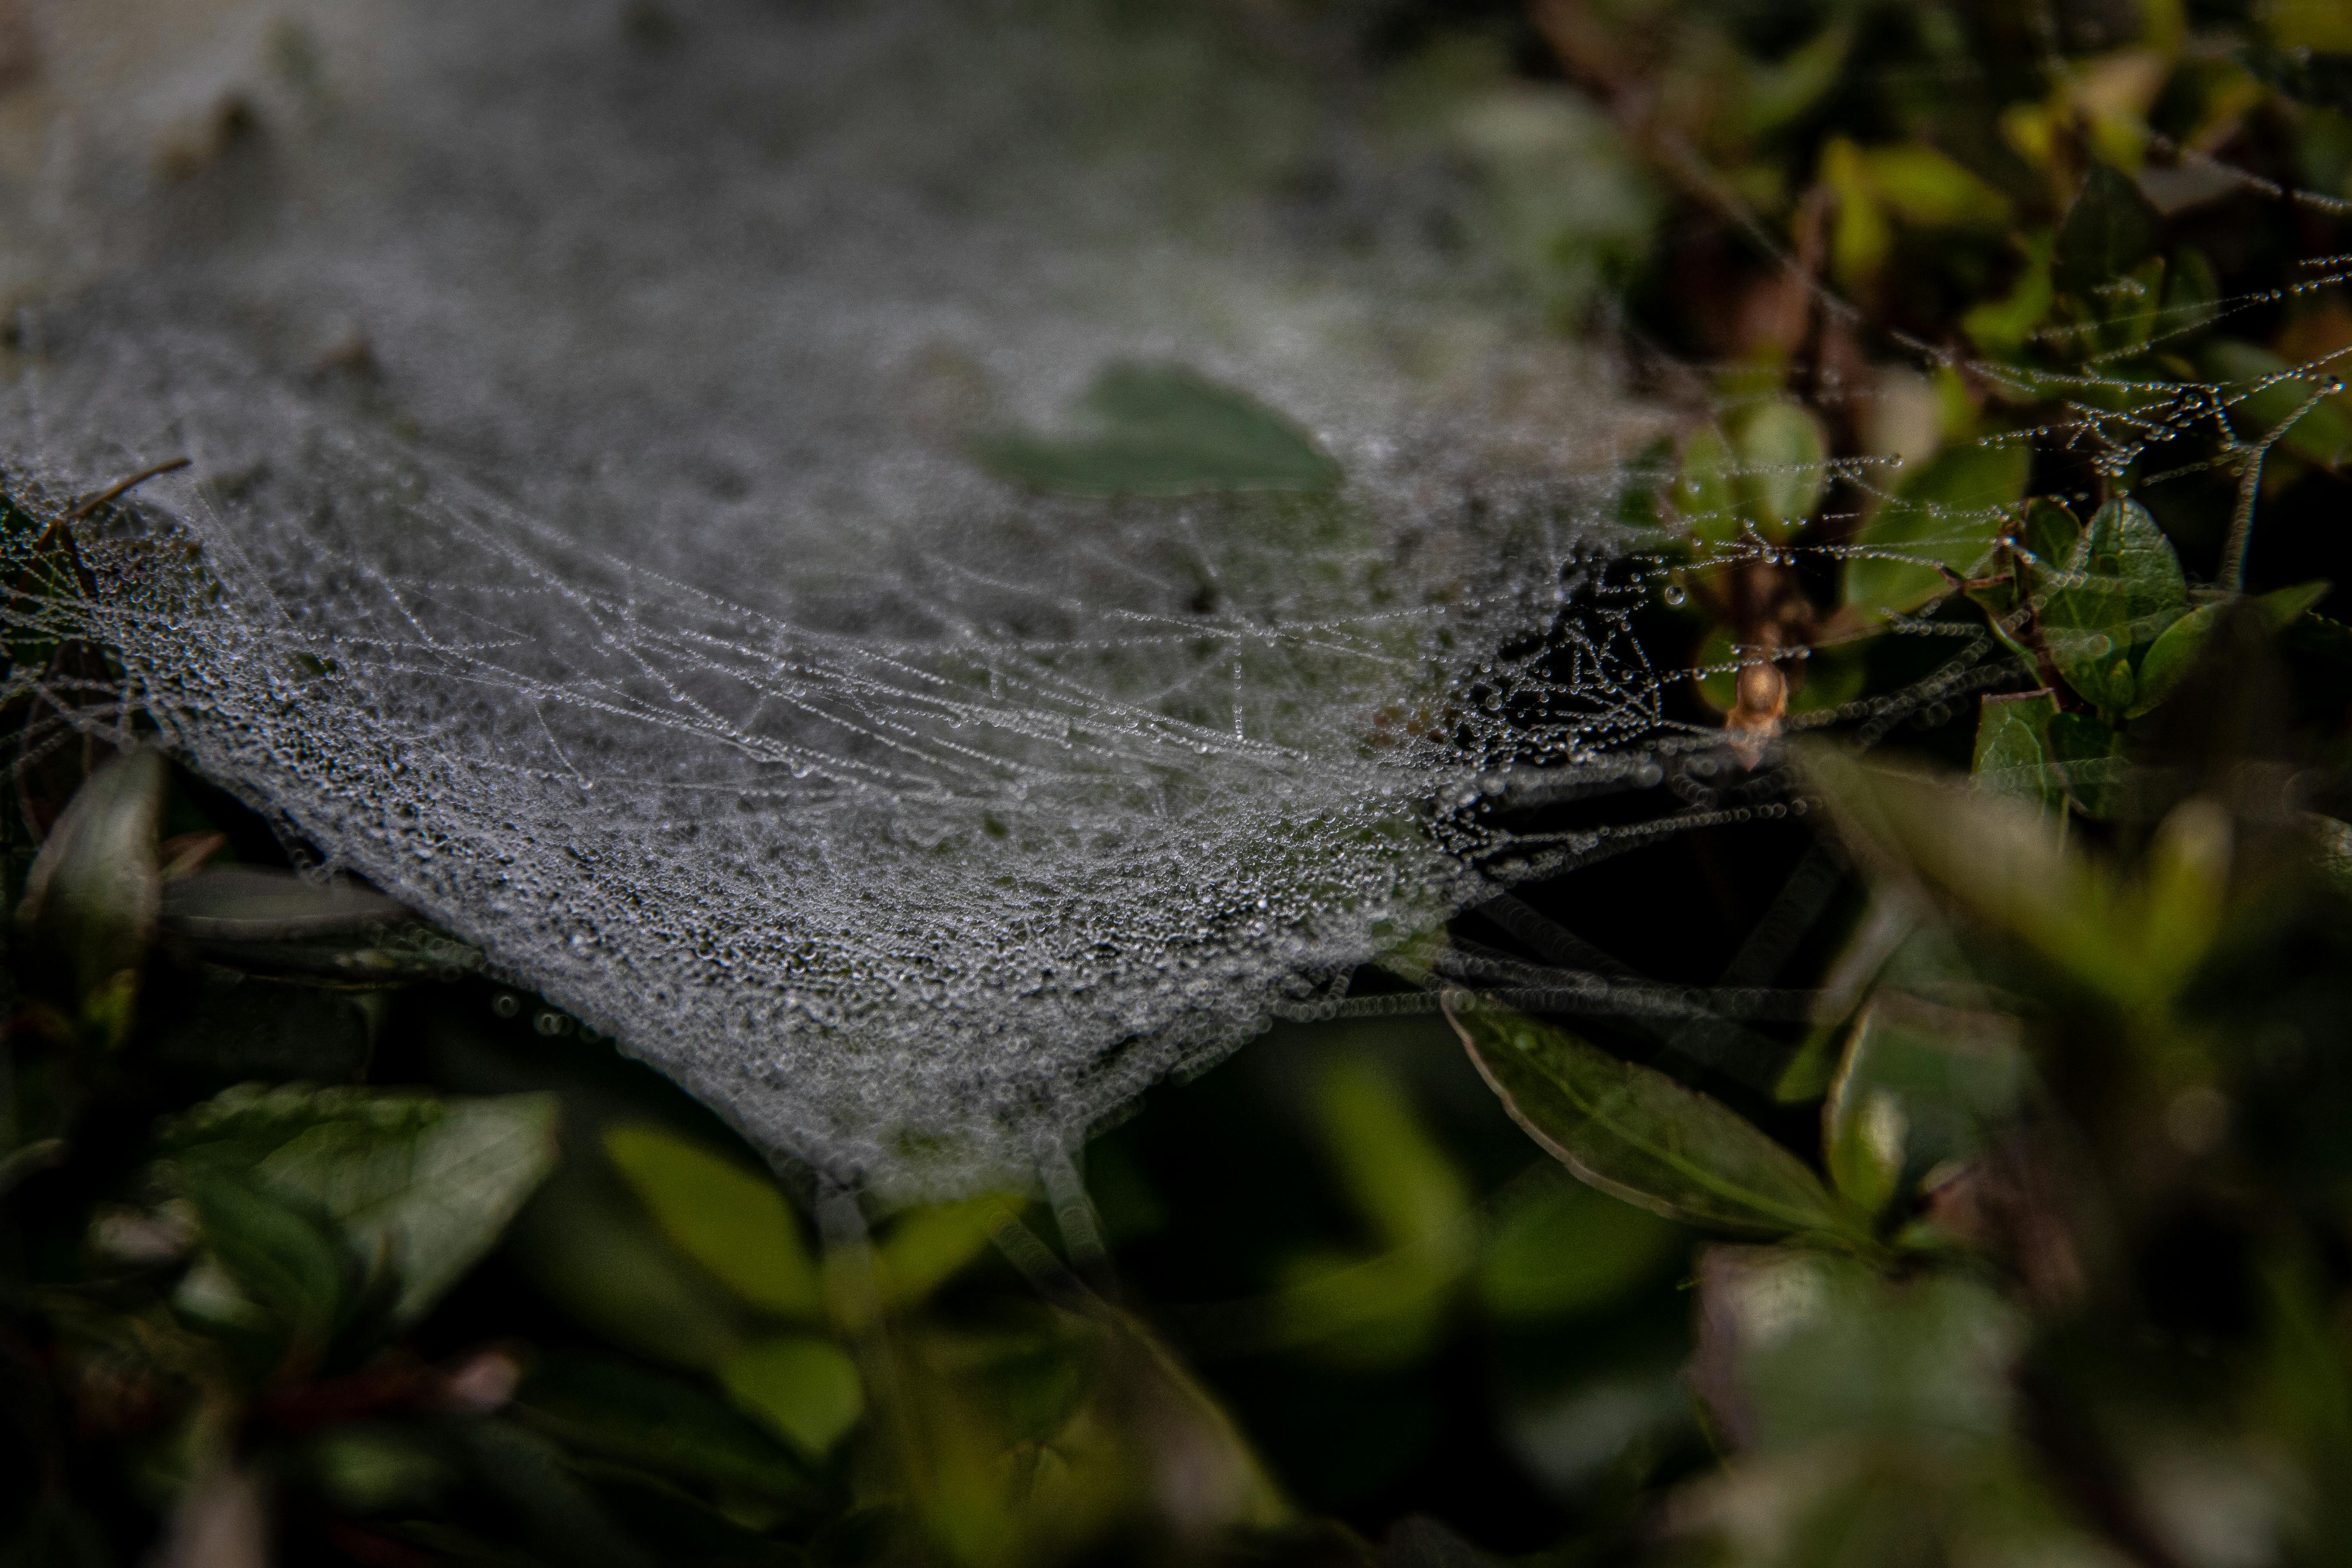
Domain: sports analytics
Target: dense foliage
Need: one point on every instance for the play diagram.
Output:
(1951, 1165)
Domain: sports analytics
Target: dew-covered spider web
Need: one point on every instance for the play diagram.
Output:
(923, 564)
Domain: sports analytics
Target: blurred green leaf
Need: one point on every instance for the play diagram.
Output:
(1703, 491)
(1948, 514)
(1561, 1247)
(1398, 1176)
(1926, 188)
(2308, 76)
(2192, 295)
(590, 1247)
(2266, 394)
(1919, 1087)
(2173, 653)
(804, 1388)
(1780, 92)
(732, 1221)
(1165, 430)
(1803, 1347)
(283, 1266)
(2108, 230)
(93, 893)
(604, 1405)
(428, 1182)
(373, 1467)
(2005, 326)
(1782, 468)
(1635, 1134)
(2120, 587)
(2002, 861)
(925, 1248)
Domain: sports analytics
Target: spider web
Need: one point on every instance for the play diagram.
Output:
(583, 540)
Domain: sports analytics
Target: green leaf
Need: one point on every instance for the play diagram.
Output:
(264, 921)
(2004, 863)
(2265, 393)
(286, 1260)
(1637, 1134)
(92, 896)
(1948, 515)
(1561, 1247)
(2005, 326)
(2172, 655)
(428, 1184)
(2110, 229)
(925, 1247)
(606, 1406)
(1926, 188)
(2120, 587)
(1797, 1347)
(1780, 92)
(801, 1388)
(2013, 749)
(1920, 1086)
(2332, 844)
(1703, 491)
(2050, 532)
(1399, 1178)
(2087, 754)
(1783, 467)
(2308, 76)
(589, 1246)
(729, 1219)
(2192, 295)
(1165, 430)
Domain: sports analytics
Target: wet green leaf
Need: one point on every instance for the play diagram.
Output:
(731, 1220)
(2108, 230)
(804, 1388)
(1782, 468)
(428, 1183)
(1635, 1134)
(93, 893)
(1165, 430)
(2120, 587)
(1946, 515)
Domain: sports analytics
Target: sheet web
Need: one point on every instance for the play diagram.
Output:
(584, 538)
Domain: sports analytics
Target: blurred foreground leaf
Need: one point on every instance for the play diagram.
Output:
(92, 897)
(427, 1183)
(729, 1219)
